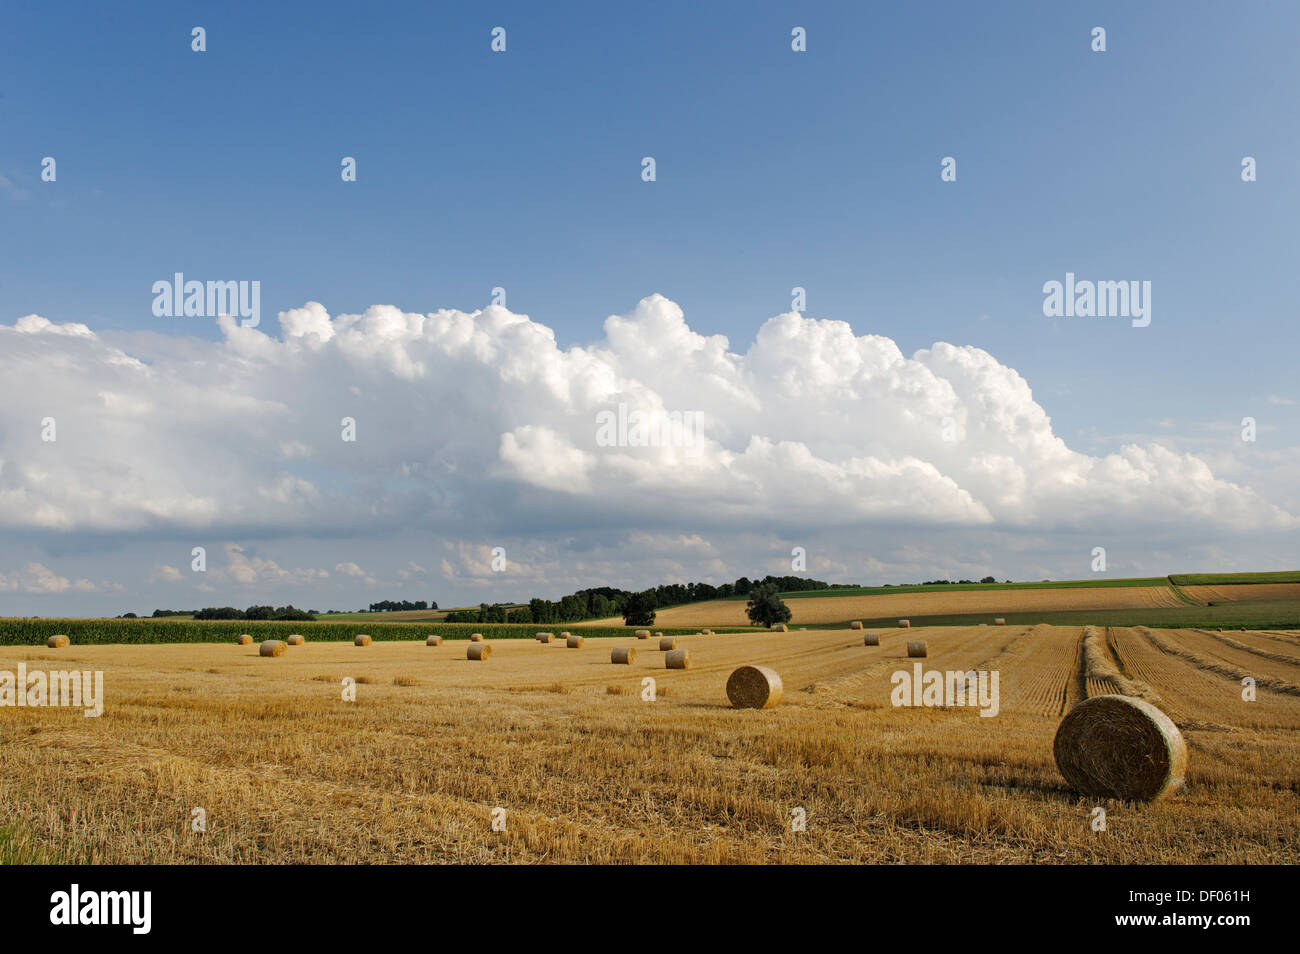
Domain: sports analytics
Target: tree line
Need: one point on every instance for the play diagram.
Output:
(291, 613)
(393, 606)
(636, 608)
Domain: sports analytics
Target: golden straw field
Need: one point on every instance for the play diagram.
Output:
(837, 609)
(1232, 592)
(586, 770)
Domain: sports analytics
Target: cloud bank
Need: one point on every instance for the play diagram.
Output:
(468, 422)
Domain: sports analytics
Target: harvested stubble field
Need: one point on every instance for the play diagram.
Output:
(1237, 592)
(1000, 602)
(287, 771)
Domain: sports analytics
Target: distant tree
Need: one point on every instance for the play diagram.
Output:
(491, 614)
(572, 608)
(292, 613)
(129, 616)
(640, 609)
(765, 606)
(601, 606)
(743, 586)
(219, 612)
(521, 615)
(988, 579)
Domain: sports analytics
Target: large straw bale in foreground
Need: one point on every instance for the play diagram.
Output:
(754, 687)
(1120, 747)
(361, 640)
(916, 648)
(479, 651)
(678, 659)
(666, 643)
(870, 639)
(272, 647)
(623, 654)
(57, 642)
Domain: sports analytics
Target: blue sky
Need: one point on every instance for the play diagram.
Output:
(774, 169)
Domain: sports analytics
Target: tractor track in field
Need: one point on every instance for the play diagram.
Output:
(1221, 667)
(1264, 652)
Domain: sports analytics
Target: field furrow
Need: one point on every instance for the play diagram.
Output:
(1189, 692)
(1042, 676)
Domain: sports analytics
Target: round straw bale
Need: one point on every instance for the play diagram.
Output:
(543, 637)
(916, 647)
(565, 635)
(780, 628)
(754, 687)
(1120, 747)
(666, 643)
(904, 624)
(659, 635)
(999, 621)
(434, 640)
(870, 639)
(245, 640)
(295, 639)
(678, 659)
(57, 642)
(476, 637)
(574, 642)
(362, 640)
(643, 634)
(272, 647)
(707, 632)
(623, 654)
(479, 651)
(856, 624)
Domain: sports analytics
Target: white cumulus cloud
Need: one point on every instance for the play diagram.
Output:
(466, 422)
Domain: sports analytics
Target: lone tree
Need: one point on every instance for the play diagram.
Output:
(640, 609)
(765, 606)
